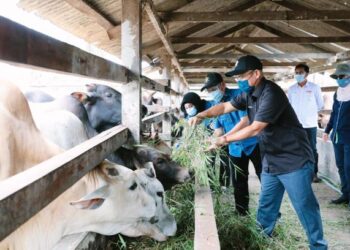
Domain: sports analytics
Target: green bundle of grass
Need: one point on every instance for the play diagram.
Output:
(192, 152)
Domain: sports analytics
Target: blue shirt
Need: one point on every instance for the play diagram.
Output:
(339, 122)
(229, 120)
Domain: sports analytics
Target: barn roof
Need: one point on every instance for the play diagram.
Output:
(206, 35)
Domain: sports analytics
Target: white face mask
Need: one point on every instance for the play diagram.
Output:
(216, 95)
(191, 111)
(299, 78)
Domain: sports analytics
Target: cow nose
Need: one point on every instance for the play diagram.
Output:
(154, 220)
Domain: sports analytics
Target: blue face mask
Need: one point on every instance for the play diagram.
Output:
(299, 78)
(244, 86)
(191, 111)
(216, 95)
(343, 82)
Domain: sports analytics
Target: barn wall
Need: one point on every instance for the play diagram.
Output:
(326, 161)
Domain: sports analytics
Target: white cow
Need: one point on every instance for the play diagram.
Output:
(108, 200)
(67, 131)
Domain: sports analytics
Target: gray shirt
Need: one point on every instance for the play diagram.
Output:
(283, 143)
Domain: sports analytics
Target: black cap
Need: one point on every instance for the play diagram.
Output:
(244, 64)
(212, 80)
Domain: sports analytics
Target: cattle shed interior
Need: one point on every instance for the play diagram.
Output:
(168, 47)
(202, 35)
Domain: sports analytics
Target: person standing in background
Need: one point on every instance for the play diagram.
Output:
(306, 100)
(339, 124)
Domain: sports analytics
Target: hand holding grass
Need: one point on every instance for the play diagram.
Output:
(195, 120)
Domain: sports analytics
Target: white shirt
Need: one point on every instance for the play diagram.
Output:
(306, 102)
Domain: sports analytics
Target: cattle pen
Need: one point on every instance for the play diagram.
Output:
(215, 50)
(19, 202)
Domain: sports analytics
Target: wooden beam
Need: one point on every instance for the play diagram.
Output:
(226, 69)
(272, 30)
(254, 40)
(200, 26)
(150, 84)
(84, 8)
(206, 233)
(155, 118)
(239, 16)
(161, 31)
(230, 64)
(22, 45)
(341, 25)
(329, 89)
(220, 34)
(131, 56)
(260, 56)
(25, 194)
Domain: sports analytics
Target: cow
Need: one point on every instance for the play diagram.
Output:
(99, 99)
(66, 130)
(108, 200)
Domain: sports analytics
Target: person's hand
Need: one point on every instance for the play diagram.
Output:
(195, 120)
(217, 142)
(325, 137)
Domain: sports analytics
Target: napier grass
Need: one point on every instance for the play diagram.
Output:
(235, 232)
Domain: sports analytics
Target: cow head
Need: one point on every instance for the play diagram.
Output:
(103, 105)
(119, 202)
(147, 175)
(168, 171)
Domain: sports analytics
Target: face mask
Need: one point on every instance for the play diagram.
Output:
(216, 95)
(343, 82)
(244, 86)
(299, 78)
(191, 111)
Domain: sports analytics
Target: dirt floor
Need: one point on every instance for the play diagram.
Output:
(335, 218)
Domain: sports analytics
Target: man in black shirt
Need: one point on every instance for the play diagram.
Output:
(285, 150)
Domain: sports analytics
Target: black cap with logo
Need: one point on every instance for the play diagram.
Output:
(212, 80)
(244, 64)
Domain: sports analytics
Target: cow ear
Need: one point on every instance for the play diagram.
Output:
(93, 200)
(149, 169)
(112, 170)
(81, 97)
(91, 87)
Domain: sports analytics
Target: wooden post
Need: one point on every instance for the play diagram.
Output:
(206, 233)
(167, 100)
(131, 56)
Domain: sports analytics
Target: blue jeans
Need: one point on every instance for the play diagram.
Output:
(312, 136)
(342, 159)
(298, 186)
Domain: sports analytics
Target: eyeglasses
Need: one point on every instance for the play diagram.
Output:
(212, 89)
(340, 77)
(243, 76)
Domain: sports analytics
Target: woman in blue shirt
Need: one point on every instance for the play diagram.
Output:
(339, 124)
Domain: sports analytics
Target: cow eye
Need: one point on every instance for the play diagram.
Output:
(160, 194)
(133, 186)
(108, 94)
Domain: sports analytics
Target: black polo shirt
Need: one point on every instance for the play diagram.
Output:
(283, 143)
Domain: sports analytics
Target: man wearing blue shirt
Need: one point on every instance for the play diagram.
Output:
(240, 152)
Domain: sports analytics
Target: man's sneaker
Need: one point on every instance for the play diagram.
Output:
(341, 200)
